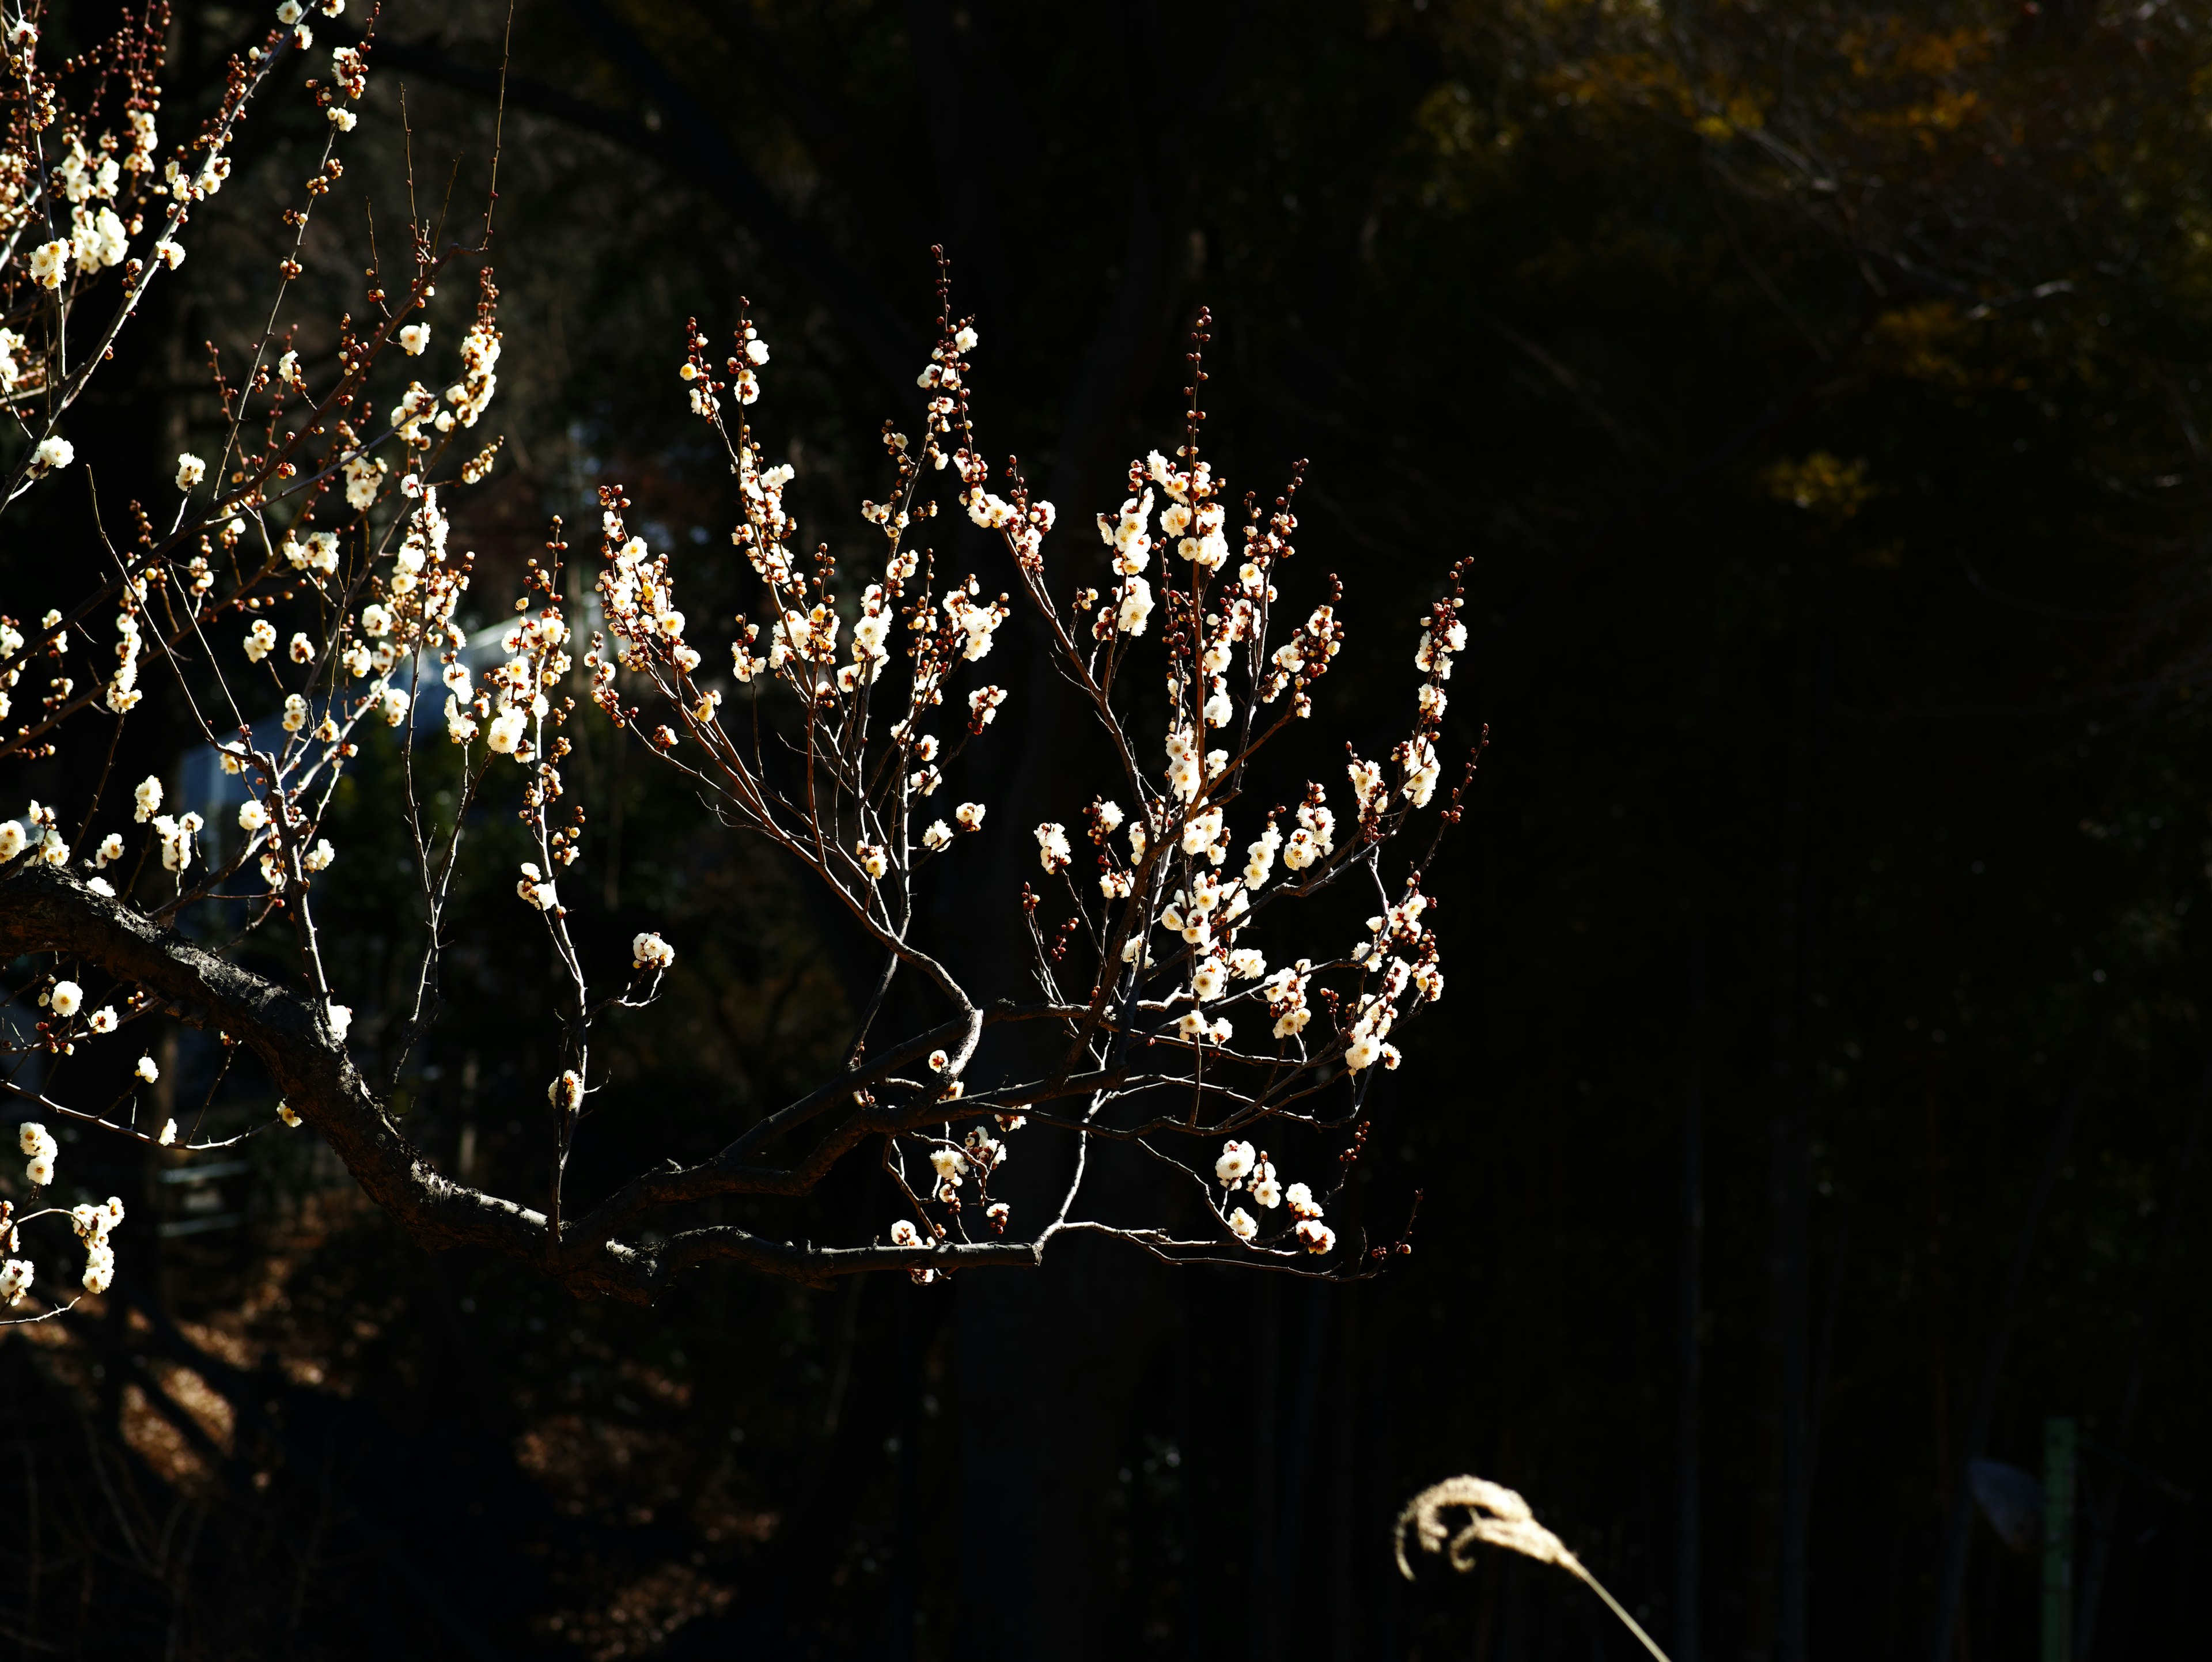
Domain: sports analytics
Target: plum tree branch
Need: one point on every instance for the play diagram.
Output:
(45, 908)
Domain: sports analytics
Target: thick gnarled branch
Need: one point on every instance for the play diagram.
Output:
(45, 908)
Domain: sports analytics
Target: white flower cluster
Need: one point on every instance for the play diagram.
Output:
(364, 480)
(177, 835)
(514, 696)
(318, 552)
(1241, 1167)
(638, 594)
(1437, 645)
(803, 639)
(123, 694)
(537, 888)
(470, 396)
(93, 1224)
(38, 1149)
(1375, 1010)
(14, 371)
(11, 642)
(1314, 839)
(977, 623)
(37, 830)
(461, 694)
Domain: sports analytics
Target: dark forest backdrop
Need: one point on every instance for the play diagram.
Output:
(1820, 393)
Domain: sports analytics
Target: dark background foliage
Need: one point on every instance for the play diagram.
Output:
(1817, 393)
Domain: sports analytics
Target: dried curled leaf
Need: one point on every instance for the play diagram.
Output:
(1496, 1517)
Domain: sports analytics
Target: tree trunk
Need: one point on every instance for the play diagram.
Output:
(2107, 1516)
(1958, 1520)
(1688, 1571)
(1777, 1616)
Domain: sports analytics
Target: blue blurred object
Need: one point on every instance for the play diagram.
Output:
(2012, 1499)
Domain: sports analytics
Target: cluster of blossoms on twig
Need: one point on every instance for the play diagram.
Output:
(92, 1224)
(1151, 972)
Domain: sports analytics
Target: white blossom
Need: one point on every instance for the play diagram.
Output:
(1200, 831)
(1136, 607)
(39, 1145)
(50, 263)
(1260, 856)
(1428, 656)
(537, 888)
(364, 478)
(460, 726)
